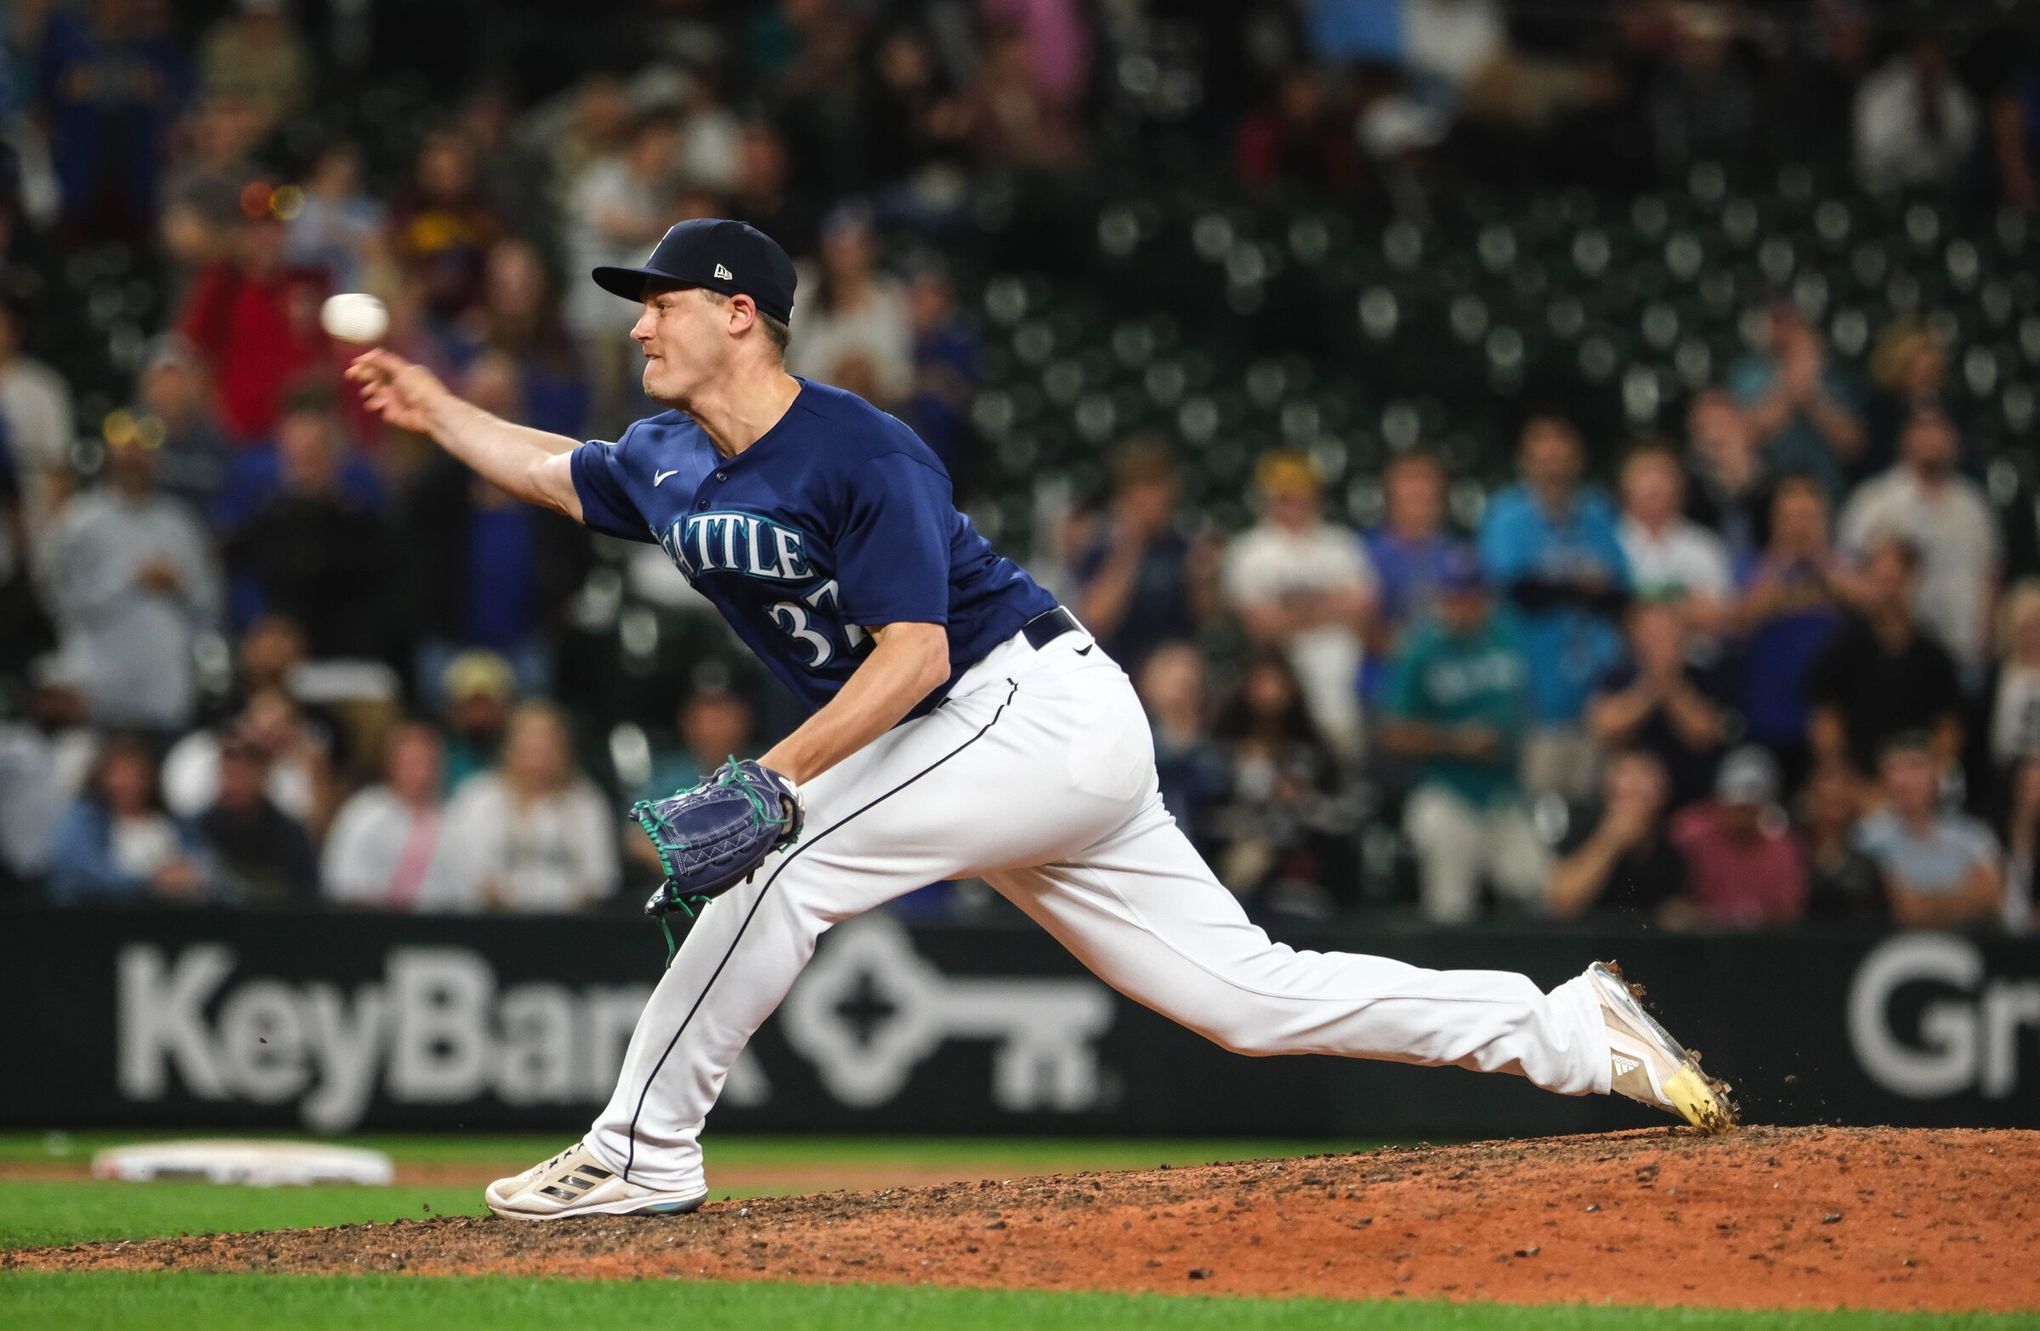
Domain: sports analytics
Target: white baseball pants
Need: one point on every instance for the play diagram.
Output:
(1037, 773)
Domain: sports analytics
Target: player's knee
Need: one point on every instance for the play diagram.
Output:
(1238, 1034)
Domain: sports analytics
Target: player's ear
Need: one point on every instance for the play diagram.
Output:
(743, 313)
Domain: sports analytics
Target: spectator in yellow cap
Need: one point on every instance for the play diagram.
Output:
(1303, 585)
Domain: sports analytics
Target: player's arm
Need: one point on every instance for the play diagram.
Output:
(908, 662)
(530, 464)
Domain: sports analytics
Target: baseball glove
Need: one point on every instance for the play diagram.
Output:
(713, 836)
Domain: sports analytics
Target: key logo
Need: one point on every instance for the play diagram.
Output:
(725, 274)
(659, 477)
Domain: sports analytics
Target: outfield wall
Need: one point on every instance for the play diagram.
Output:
(342, 1022)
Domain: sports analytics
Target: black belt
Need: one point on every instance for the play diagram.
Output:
(1047, 626)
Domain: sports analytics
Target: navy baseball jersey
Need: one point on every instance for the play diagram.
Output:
(837, 519)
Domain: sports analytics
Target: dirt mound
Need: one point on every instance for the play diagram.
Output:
(1763, 1218)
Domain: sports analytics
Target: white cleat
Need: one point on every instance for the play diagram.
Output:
(575, 1183)
(1650, 1067)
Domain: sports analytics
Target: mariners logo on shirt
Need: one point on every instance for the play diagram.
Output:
(740, 543)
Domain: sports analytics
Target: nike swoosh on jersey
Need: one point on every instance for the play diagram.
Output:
(659, 477)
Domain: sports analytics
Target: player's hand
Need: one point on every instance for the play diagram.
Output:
(397, 390)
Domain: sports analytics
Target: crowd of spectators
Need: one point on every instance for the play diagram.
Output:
(259, 650)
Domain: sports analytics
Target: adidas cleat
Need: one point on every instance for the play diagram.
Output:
(1649, 1066)
(575, 1183)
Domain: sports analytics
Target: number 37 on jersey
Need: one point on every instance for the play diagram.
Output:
(748, 546)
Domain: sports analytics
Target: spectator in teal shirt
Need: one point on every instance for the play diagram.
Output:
(1549, 544)
(1458, 701)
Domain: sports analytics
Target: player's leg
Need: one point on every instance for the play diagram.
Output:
(1142, 910)
(930, 800)
(1450, 838)
(1519, 861)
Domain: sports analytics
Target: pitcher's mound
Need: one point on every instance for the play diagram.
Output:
(1765, 1217)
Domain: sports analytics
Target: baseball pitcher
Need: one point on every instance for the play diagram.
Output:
(962, 723)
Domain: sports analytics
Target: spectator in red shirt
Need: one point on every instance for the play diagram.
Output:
(1744, 869)
(255, 319)
(1298, 135)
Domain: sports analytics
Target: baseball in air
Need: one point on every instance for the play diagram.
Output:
(354, 316)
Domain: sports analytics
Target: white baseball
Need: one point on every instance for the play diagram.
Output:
(354, 316)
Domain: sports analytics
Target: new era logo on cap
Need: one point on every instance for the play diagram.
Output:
(724, 274)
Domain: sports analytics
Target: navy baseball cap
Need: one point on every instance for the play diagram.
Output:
(718, 254)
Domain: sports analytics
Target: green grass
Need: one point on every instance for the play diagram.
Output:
(163, 1301)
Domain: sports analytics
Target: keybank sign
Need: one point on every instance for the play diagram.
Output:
(439, 1027)
(1964, 1030)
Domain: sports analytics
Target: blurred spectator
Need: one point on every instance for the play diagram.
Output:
(111, 80)
(1457, 707)
(1946, 517)
(1188, 764)
(116, 844)
(586, 124)
(1800, 406)
(171, 413)
(1744, 870)
(945, 369)
(1941, 870)
(2022, 846)
(855, 327)
(764, 194)
(1283, 835)
(492, 572)
(507, 162)
(519, 318)
(1297, 136)
(1303, 586)
(339, 230)
(1659, 701)
(533, 835)
(1549, 544)
(1908, 375)
(316, 553)
(910, 113)
(1702, 105)
(715, 724)
(1011, 118)
(132, 584)
(1842, 882)
(1728, 471)
(1143, 582)
(35, 422)
(203, 194)
(255, 319)
(1620, 860)
(45, 758)
(385, 849)
(299, 778)
(618, 209)
(1409, 550)
(1791, 607)
(1881, 676)
(477, 688)
(442, 227)
(1915, 124)
(2005, 729)
(256, 55)
(1670, 556)
(262, 855)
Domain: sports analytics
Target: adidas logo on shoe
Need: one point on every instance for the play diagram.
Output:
(1625, 1066)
